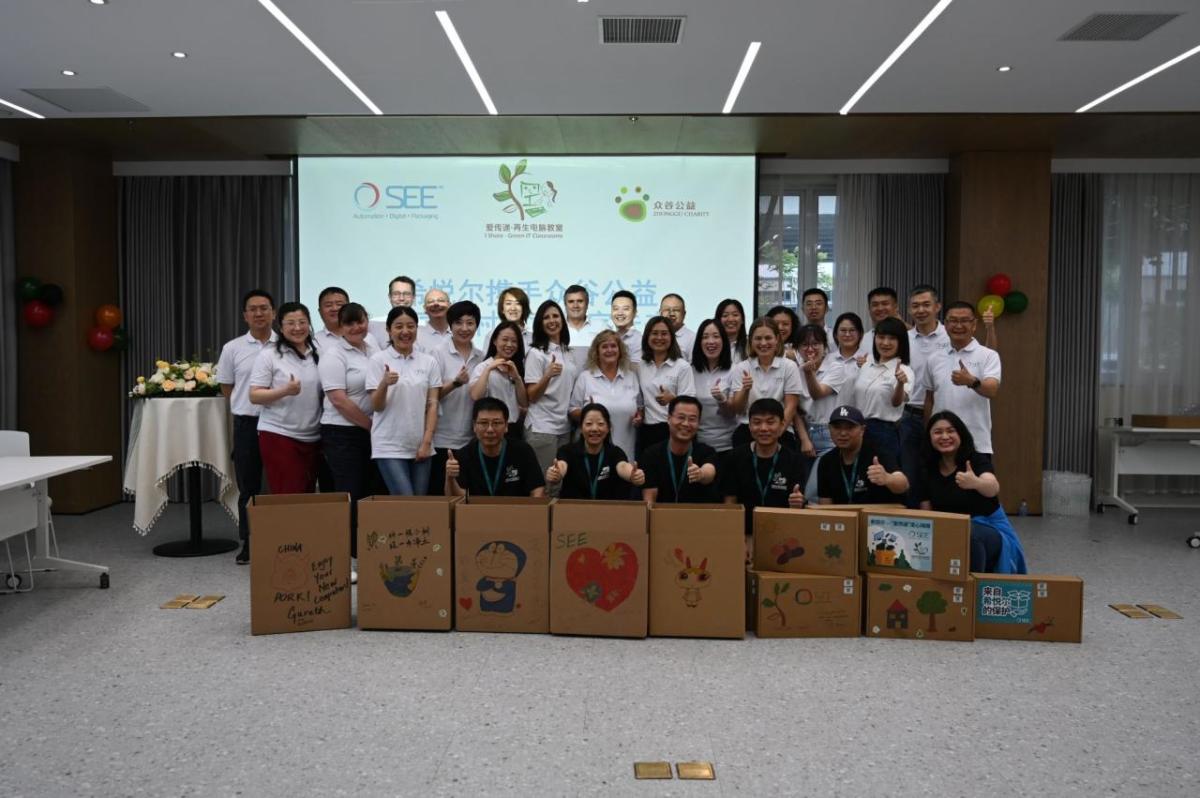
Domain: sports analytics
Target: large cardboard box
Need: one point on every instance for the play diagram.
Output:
(502, 564)
(599, 568)
(698, 570)
(817, 541)
(405, 563)
(299, 562)
(915, 542)
(806, 605)
(920, 608)
(1029, 607)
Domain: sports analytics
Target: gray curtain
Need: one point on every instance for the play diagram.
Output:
(9, 307)
(912, 231)
(1072, 333)
(189, 248)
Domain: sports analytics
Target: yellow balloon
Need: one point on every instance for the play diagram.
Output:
(992, 302)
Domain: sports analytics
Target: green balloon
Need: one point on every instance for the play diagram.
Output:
(29, 288)
(1015, 302)
(120, 339)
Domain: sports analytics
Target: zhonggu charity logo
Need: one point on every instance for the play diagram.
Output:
(522, 195)
(632, 208)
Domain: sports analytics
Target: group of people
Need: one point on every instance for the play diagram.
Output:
(564, 405)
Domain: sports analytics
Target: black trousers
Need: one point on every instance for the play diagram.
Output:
(348, 452)
(247, 467)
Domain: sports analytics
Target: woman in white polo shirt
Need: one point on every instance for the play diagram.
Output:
(663, 374)
(502, 375)
(881, 389)
(346, 420)
(608, 380)
(404, 385)
(711, 369)
(767, 375)
(285, 382)
(456, 357)
(549, 377)
(732, 317)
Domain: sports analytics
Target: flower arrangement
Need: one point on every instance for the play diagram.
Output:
(182, 378)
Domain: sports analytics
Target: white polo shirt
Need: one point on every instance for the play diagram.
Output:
(674, 375)
(874, 387)
(549, 413)
(633, 342)
(686, 339)
(397, 430)
(377, 328)
(581, 339)
(499, 386)
(296, 416)
(234, 368)
(619, 396)
(973, 409)
(715, 429)
(866, 347)
(832, 373)
(343, 367)
(782, 378)
(921, 347)
(323, 337)
(429, 339)
(454, 410)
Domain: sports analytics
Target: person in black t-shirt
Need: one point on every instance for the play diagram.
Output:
(960, 480)
(593, 467)
(763, 473)
(492, 465)
(681, 469)
(855, 473)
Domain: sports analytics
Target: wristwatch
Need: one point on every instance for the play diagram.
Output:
(975, 385)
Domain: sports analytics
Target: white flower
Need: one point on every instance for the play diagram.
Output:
(190, 385)
(139, 389)
(157, 377)
(206, 367)
(212, 381)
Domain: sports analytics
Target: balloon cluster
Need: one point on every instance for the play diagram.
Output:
(38, 301)
(1001, 298)
(108, 332)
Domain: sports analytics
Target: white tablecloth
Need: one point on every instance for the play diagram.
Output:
(170, 434)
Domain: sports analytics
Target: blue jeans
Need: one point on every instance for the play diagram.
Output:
(884, 436)
(912, 435)
(819, 435)
(405, 477)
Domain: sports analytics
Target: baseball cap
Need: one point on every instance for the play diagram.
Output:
(847, 413)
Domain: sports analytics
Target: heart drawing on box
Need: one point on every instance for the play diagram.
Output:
(465, 602)
(603, 579)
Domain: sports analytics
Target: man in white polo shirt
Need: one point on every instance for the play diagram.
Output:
(581, 328)
(233, 373)
(882, 303)
(926, 339)
(329, 302)
(672, 308)
(623, 312)
(965, 377)
(402, 292)
(436, 333)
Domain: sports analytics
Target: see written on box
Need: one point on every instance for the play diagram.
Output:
(818, 541)
(405, 563)
(299, 563)
(698, 570)
(916, 543)
(599, 568)
(805, 605)
(502, 564)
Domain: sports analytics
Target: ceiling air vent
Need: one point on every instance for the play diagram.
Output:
(88, 101)
(1116, 27)
(641, 30)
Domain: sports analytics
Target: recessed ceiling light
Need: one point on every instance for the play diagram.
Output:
(98, 2)
(26, 111)
(1005, 68)
(743, 71)
(179, 54)
(302, 37)
(1139, 79)
(69, 72)
(457, 43)
(913, 35)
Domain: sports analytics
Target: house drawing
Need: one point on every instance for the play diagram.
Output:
(897, 616)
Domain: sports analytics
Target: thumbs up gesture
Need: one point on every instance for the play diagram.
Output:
(962, 375)
(876, 473)
(901, 377)
(747, 381)
(796, 498)
(555, 367)
(463, 376)
(390, 377)
(556, 471)
(811, 366)
(693, 471)
(860, 359)
(664, 396)
(716, 392)
(967, 480)
(637, 476)
(452, 467)
(293, 386)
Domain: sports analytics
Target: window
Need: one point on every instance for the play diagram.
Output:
(797, 222)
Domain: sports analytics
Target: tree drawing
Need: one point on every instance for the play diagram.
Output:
(507, 176)
(933, 604)
(780, 587)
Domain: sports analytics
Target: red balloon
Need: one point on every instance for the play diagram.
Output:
(108, 316)
(100, 339)
(37, 314)
(999, 283)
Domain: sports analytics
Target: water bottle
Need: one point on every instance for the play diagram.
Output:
(1024, 508)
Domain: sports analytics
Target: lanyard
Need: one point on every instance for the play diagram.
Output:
(593, 480)
(762, 489)
(850, 483)
(675, 476)
(493, 482)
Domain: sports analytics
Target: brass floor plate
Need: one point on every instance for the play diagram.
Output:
(652, 770)
(204, 602)
(1159, 611)
(1130, 611)
(179, 602)
(695, 770)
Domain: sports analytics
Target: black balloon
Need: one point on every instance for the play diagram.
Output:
(51, 294)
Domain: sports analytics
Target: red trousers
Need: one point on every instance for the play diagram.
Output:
(291, 464)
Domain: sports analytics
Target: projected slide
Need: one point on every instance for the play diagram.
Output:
(475, 226)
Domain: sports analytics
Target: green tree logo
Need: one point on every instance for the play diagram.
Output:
(933, 604)
(526, 198)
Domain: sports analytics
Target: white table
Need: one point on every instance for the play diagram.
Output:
(1146, 451)
(25, 505)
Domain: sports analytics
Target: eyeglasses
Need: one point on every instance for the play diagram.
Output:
(491, 424)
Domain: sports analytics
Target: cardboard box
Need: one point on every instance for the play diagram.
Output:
(818, 541)
(698, 570)
(502, 564)
(1029, 607)
(806, 605)
(920, 608)
(915, 542)
(405, 562)
(299, 562)
(599, 568)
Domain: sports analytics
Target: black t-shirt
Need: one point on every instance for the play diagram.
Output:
(833, 475)
(777, 477)
(520, 476)
(947, 497)
(578, 482)
(657, 466)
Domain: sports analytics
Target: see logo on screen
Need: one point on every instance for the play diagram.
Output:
(368, 196)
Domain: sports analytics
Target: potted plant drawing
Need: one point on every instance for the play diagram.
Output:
(512, 195)
(774, 604)
(884, 552)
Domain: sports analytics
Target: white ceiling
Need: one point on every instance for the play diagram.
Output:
(543, 57)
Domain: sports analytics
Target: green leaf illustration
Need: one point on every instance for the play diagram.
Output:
(520, 167)
(535, 211)
(768, 603)
(509, 208)
(784, 587)
(778, 588)
(501, 196)
(505, 174)
(884, 586)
